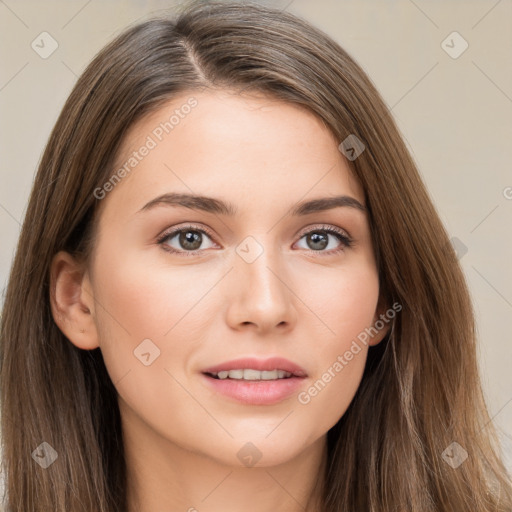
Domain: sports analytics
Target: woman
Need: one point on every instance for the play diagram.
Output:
(232, 282)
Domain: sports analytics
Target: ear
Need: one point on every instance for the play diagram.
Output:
(72, 301)
(381, 323)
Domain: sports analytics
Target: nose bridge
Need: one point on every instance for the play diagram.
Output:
(258, 263)
(261, 295)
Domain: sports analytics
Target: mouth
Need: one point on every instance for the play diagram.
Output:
(250, 368)
(249, 374)
(255, 382)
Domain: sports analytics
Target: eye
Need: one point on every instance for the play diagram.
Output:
(317, 239)
(189, 240)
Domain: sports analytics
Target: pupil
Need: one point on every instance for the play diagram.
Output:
(319, 238)
(190, 239)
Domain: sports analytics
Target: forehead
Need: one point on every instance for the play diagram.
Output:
(229, 144)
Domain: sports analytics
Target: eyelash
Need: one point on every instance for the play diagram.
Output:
(346, 241)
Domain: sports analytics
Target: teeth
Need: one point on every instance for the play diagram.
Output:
(249, 374)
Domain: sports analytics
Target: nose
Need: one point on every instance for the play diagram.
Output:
(260, 296)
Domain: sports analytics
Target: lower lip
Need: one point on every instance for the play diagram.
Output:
(256, 392)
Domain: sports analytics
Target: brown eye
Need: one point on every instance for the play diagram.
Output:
(186, 240)
(190, 240)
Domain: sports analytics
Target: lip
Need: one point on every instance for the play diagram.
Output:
(269, 364)
(257, 392)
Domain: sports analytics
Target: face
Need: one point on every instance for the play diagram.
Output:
(175, 290)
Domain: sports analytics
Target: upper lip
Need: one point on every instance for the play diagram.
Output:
(272, 363)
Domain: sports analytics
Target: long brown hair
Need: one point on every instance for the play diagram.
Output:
(421, 389)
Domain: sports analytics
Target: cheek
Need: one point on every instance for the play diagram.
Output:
(148, 327)
(131, 306)
(346, 305)
(144, 298)
(142, 301)
(343, 300)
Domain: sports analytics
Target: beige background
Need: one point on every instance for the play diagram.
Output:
(455, 115)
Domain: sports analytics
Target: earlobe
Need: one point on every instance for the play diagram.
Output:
(72, 302)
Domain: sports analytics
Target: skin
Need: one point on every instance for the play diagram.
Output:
(307, 305)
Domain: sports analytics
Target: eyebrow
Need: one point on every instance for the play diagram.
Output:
(217, 206)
